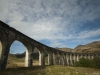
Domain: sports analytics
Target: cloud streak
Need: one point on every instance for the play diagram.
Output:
(51, 20)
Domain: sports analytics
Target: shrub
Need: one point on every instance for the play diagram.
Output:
(96, 62)
(83, 62)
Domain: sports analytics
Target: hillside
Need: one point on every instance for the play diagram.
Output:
(93, 47)
(65, 49)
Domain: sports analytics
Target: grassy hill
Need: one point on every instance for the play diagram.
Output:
(15, 66)
(14, 61)
(65, 49)
(93, 47)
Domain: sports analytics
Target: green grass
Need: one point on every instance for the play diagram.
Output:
(14, 69)
(50, 70)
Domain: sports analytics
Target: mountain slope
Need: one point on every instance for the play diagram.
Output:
(93, 47)
(65, 49)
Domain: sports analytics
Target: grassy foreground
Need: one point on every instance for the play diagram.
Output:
(50, 70)
(15, 67)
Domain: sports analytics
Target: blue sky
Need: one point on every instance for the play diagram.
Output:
(56, 23)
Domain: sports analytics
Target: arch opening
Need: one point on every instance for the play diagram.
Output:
(17, 53)
(40, 56)
(36, 57)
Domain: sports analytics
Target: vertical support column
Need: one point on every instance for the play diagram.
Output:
(3, 62)
(50, 58)
(77, 57)
(0, 51)
(61, 59)
(58, 58)
(28, 59)
(71, 63)
(4, 54)
(55, 58)
(89, 57)
(67, 58)
(41, 58)
(85, 56)
(74, 58)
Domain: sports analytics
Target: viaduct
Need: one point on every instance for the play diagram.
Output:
(55, 57)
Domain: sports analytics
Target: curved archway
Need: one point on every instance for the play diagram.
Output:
(29, 51)
(40, 57)
(22, 46)
(17, 48)
(16, 55)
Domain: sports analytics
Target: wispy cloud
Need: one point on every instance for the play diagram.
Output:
(52, 20)
(89, 34)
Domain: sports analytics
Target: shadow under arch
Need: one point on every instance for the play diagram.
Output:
(43, 55)
(36, 57)
(28, 51)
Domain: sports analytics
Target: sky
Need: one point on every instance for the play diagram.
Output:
(55, 23)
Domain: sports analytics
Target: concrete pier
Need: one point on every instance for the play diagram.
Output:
(50, 58)
(55, 57)
(41, 58)
(68, 59)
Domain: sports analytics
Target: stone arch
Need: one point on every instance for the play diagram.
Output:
(29, 50)
(41, 50)
(48, 56)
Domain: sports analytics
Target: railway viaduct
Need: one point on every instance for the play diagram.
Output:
(55, 57)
